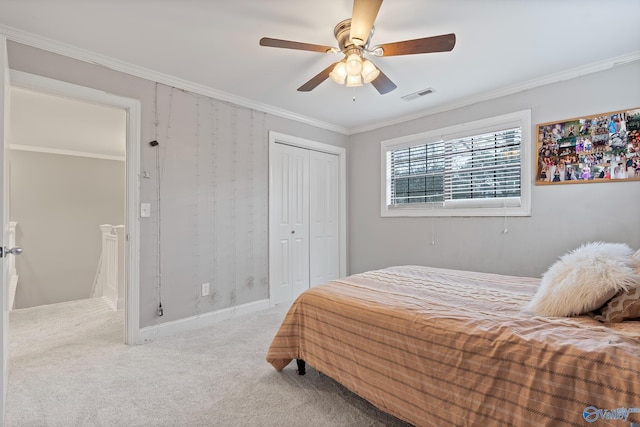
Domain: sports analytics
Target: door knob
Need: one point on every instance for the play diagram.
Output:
(293, 231)
(13, 251)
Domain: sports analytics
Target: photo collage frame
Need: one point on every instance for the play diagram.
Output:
(599, 148)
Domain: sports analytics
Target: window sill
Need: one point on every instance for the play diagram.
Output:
(424, 211)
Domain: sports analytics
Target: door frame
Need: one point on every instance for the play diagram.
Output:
(132, 226)
(4, 220)
(281, 138)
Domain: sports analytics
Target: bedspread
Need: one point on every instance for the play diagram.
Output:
(441, 347)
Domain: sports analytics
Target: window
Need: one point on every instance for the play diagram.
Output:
(481, 168)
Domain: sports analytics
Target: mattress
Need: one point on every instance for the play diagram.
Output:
(440, 347)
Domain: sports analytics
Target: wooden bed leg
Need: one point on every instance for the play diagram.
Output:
(301, 367)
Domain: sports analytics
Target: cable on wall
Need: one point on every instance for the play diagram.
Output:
(160, 310)
(214, 112)
(234, 187)
(159, 175)
(433, 229)
(196, 222)
(505, 229)
(252, 143)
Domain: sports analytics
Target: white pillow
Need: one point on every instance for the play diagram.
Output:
(584, 280)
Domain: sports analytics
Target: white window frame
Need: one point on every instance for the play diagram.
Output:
(513, 206)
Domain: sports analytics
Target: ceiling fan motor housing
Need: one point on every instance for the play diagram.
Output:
(342, 33)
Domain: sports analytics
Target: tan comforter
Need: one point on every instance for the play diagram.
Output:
(439, 347)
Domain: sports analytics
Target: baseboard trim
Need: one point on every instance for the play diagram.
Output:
(152, 333)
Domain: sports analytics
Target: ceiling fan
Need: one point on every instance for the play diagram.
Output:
(353, 36)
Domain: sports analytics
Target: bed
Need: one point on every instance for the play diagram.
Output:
(438, 347)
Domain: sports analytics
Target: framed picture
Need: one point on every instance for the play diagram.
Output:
(600, 148)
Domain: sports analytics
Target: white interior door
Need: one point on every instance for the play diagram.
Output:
(324, 221)
(4, 217)
(289, 218)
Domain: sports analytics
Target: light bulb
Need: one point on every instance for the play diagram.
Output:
(339, 73)
(354, 64)
(369, 71)
(354, 81)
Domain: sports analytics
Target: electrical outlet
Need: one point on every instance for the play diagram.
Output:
(205, 289)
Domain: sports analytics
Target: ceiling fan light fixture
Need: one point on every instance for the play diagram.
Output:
(369, 71)
(354, 65)
(353, 36)
(339, 73)
(354, 81)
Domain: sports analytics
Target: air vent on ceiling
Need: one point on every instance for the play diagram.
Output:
(418, 94)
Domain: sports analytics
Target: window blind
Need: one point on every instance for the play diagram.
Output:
(483, 167)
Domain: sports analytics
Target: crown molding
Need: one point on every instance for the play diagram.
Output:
(74, 52)
(48, 150)
(510, 90)
(70, 51)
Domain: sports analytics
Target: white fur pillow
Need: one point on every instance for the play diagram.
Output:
(584, 280)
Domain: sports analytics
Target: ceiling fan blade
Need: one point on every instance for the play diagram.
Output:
(317, 79)
(443, 43)
(287, 44)
(383, 84)
(362, 18)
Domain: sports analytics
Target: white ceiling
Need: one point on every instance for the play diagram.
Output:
(502, 46)
(44, 122)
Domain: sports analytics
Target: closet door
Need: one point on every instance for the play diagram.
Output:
(289, 218)
(324, 190)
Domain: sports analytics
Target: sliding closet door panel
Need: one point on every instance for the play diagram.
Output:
(324, 217)
(280, 248)
(299, 233)
(289, 251)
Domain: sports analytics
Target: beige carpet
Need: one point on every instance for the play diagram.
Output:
(68, 366)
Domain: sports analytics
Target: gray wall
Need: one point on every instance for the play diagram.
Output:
(214, 207)
(213, 179)
(562, 218)
(58, 202)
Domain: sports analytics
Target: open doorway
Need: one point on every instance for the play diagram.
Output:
(131, 233)
(67, 199)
